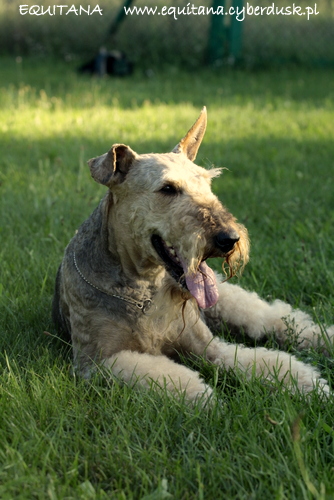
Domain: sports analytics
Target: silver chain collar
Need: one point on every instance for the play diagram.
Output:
(143, 306)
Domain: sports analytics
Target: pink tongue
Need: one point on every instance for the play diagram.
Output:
(203, 286)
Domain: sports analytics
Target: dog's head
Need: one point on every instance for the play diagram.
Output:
(165, 213)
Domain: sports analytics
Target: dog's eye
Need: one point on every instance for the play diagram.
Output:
(169, 189)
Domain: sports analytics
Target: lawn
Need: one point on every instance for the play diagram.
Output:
(61, 438)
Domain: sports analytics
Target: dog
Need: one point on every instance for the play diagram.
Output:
(135, 293)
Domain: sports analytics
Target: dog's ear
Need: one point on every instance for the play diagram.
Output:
(112, 167)
(191, 142)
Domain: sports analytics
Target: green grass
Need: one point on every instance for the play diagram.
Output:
(61, 438)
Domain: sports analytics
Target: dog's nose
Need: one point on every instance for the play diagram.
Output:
(226, 241)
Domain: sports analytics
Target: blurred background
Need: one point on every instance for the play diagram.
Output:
(154, 40)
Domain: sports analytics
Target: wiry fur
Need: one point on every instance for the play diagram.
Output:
(111, 262)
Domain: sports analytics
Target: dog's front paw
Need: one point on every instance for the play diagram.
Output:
(202, 396)
(307, 379)
(321, 339)
(322, 387)
(301, 332)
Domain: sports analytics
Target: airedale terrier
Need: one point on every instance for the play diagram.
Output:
(134, 289)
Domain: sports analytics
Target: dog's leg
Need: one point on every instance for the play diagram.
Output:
(146, 370)
(257, 318)
(268, 364)
(264, 363)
